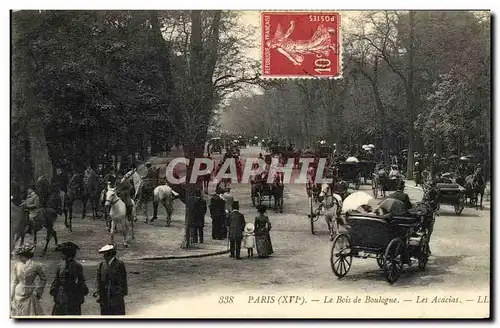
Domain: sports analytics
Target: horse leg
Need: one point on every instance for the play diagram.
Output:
(155, 210)
(125, 231)
(145, 204)
(481, 202)
(111, 231)
(34, 234)
(169, 211)
(70, 209)
(84, 206)
(47, 239)
(330, 227)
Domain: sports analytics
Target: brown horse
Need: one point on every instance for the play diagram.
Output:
(83, 189)
(21, 224)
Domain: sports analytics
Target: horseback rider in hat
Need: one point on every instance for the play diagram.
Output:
(150, 179)
(124, 191)
(68, 288)
(32, 204)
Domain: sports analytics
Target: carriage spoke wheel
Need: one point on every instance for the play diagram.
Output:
(424, 253)
(341, 256)
(460, 205)
(380, 261)
(375, 189)
(393, 260)
(312, 219)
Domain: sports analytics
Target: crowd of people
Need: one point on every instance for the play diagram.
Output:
(69, 287)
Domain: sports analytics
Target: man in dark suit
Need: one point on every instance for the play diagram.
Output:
(200, 209)
(236, 227)
(111, 283)
(400, 195)
(218, 214)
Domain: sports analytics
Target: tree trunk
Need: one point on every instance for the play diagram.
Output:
(409, 94)
(38, 149)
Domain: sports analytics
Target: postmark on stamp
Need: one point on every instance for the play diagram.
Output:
(301, 44)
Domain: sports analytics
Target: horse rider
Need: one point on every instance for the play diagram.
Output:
(32, 204)
(124, 191)
(110, 178)
(150, 179)
(60, 181)
(89, 171)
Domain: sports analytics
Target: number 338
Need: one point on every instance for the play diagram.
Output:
(226, 299)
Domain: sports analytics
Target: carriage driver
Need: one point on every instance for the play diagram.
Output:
(402, 196)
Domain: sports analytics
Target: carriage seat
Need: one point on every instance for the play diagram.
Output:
(449, 187)
(387, 217)
(390, 218)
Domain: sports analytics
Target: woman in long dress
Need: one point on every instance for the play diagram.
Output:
(24, 293)
(262, 238)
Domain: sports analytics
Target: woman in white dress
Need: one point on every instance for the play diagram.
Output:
(25, 295)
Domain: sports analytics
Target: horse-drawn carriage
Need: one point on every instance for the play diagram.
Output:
(261, 190)
(392, 240)
(451, 194)
(382, 183)
(349, 172)
(366, 169)
(216, 145)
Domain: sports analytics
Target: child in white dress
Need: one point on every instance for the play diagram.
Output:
(249, 238)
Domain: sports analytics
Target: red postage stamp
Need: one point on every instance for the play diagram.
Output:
(301, 44)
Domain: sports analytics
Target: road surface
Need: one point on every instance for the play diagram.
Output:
(460, 261)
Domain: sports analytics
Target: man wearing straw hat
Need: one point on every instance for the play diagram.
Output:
(111, 283)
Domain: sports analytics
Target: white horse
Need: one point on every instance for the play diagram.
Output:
(165, 195)
(331, 206)
(118, 215)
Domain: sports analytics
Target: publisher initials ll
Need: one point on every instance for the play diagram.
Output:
(483, 299)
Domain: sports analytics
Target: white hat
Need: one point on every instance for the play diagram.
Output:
(107, 248)
(249, 227)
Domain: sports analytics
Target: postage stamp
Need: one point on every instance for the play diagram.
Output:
(301, 44)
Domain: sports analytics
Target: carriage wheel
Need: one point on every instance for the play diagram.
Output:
(380, 261)
(341, 256)
(393, 260)
(357, 183)
(375, 189)
(459, 206)
(424, 253)
(311, 214)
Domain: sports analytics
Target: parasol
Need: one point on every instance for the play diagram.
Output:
(352, 160)
(371, 145)
(463, 158)
(355, 200)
